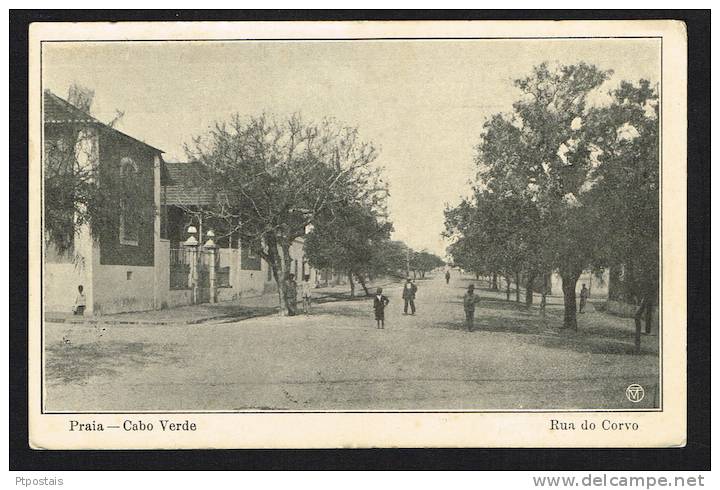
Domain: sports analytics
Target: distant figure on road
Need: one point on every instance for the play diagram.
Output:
(306, 294)
(469, 302)
(584, 295)
(79, 306)
(447, 277)
(291, 295)
(379, 304)
(409, 291)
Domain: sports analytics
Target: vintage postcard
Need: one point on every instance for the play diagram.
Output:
(357, 234)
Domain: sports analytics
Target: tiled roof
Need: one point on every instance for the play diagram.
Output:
(183, 186)
(59, 111)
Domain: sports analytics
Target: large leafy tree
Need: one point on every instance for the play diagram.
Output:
(349, 238)
(543, 154)
(626, 191)
(568, 187)
(274, 177)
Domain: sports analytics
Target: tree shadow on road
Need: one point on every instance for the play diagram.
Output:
(547, 333)
(498, 304)
(351, 311)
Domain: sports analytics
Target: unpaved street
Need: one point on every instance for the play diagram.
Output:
(335, 359)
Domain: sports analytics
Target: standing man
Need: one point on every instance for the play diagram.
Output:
(469, 302)
(306, 294)
(291, 295)
(408, 295)
(379, 304)
(447, 277)
(584, 295)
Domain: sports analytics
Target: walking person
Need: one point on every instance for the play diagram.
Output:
(469, 301)
(447, 277)
(306, 294)
(379, 304)
(584, 295)
(408, 294)
(291, 295)
(79, 306)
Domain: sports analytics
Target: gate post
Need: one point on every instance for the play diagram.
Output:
(212, 251)
(192, 246)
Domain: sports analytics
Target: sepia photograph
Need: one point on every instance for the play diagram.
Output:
(351, 224)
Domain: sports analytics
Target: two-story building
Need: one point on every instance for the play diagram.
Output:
(140, 263)
(116, 266)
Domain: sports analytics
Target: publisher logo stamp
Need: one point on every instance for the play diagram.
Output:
(635, 393)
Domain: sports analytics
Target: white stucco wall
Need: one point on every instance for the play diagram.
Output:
(115, 293)
(598, 285)
(60, 282)
(61, 279)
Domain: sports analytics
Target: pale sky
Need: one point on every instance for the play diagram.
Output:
(423, 103)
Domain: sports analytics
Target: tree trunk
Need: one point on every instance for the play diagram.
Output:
(638, 323)
(507, 288)
(494, 286)
(543, 298)
(517, 287)
(352, 284)
(361, 280)
(477, 276)
(569, 283)
(278, 267)
(648, 314)
(529, 290)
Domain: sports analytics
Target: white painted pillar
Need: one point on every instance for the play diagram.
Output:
(212, 253)
(87, 254)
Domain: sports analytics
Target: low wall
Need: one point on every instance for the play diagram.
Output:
(179, 297)
(123, 288)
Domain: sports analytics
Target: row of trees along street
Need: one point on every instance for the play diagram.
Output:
(567, 185)
(279, 180)
(273, 180)
(356, 240)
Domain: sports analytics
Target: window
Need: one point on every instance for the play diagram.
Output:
(129, 227)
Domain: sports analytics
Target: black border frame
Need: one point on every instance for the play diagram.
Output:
(695, 456)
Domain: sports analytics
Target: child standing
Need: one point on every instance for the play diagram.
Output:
(79, 307)
(379, 304)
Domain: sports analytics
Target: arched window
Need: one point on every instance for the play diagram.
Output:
(129, 228)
